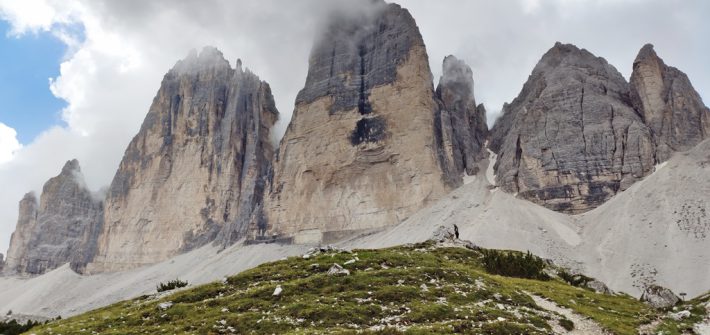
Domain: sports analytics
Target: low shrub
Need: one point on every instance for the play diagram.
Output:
(567, 324)
(578, 280)
(12, 327)
(514, 264)
(171, 285)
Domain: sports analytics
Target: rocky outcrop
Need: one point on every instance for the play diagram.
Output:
(26, 222)
(62, 229)
(362, 149)
(2, 262)
(659, 297)
(463, 124)
(196, 170)
(571, 139)
(669, 104)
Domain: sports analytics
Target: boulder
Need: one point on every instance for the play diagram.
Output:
(659, 297)
(337, 270)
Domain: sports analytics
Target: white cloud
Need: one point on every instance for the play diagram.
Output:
(118, 57)
(9, 144)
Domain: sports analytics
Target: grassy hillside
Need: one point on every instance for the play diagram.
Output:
(417, 289)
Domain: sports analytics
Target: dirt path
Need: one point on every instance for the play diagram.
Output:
(582, 324)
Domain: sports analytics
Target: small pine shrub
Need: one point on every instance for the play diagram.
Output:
(171, 285)
(567, 324)
(578, 280)
(514, 264)
(12, 327)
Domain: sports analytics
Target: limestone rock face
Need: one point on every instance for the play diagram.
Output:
(26, 222)
(571, 140)
(361, 150)
(62, 229)
(196, 170)
(669, 104)
(463, 124)
(2, 262)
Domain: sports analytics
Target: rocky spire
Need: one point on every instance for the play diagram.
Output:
(61, 229)
(571, 140)
(669, 104)
(463, 124)
(362, 149)
(196, 170)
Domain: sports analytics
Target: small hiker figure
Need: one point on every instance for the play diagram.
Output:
(456, 231)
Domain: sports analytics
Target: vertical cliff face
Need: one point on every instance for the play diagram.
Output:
(571, 139)
(62, 229)
(196, 170)
(669, 104)
(361, 150)
(463, 124)
(19, 241)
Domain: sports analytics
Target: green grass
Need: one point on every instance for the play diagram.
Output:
(415, 289)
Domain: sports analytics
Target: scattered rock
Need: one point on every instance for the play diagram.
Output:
(680, 315)
(659, 297)
(337, 270)
(165, 305)
(277, 291)
(598, 287)
(444, 234)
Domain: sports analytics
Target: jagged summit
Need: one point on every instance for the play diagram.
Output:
(71, 166)
(60, 228)
(209, 58)
(668, 103)
(370, 93)
(571, 140)
(463, 123)
(196, 171)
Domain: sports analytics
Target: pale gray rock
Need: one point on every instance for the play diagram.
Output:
(20, 239)
(2, 262)
(338, 270)
(571, 140)
(62, 229)
(669, 104)
(598, 287)
(361, 151)
(196, 170)
(659, 297)
(463, 125)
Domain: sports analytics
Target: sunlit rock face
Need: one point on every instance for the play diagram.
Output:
(364, 148)
(196, 171)
(571, 139)
(668, 103)
(61, 228)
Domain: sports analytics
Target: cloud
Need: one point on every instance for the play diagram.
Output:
(9, 144)
(119, 51)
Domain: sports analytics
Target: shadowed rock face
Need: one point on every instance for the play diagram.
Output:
(571, 139)
(669, 104)
(463, 124)
(362, 149)
(62, 229)
(197, 168)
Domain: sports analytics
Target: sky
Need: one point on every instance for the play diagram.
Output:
(77, 76)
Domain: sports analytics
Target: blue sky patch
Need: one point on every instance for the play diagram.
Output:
(26, 64)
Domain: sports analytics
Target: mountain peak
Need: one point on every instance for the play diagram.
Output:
(71, 166)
